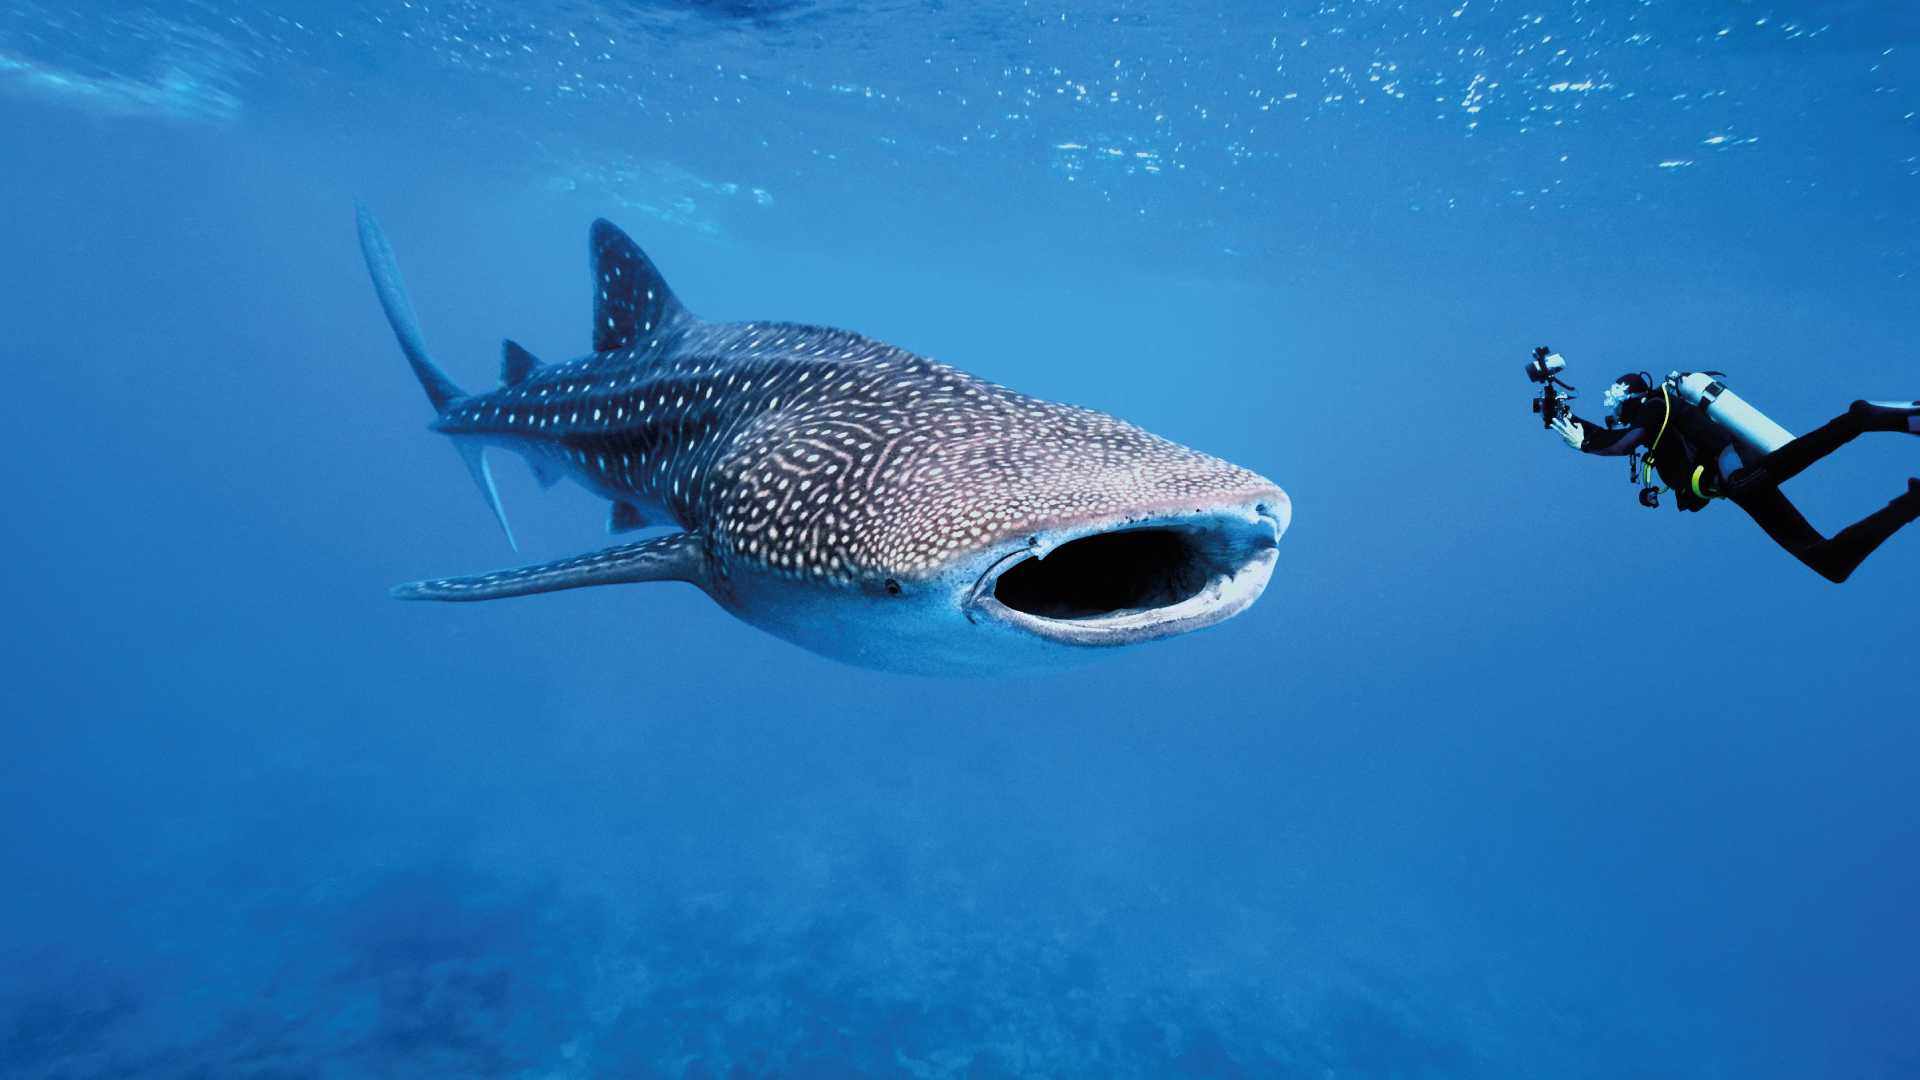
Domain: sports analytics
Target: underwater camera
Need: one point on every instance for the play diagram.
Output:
(1544, 369)
(1545, 365)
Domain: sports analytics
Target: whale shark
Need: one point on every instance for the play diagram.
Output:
(854, 498)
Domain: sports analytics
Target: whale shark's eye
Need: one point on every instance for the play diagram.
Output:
(893, 587)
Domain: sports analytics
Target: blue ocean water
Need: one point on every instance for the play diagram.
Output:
(1505, 776)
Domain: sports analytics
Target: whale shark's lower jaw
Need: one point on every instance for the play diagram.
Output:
(1137, 579)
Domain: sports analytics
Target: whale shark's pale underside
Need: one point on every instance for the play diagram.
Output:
(854, 498)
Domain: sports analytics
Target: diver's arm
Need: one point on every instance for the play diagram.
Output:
(1590, 438)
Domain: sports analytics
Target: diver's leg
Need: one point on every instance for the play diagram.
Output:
(1851, 545)
(1834, 559)
(1792, 459)
(1777, 516)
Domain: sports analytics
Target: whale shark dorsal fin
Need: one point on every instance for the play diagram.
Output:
(631, 301)
(676, 557)
(517, 365)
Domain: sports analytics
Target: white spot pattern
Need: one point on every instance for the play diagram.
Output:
(822, 454)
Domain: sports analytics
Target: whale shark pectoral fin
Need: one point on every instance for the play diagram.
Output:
(679, 557)
(475, 455)
(631, 301)
(626, 517)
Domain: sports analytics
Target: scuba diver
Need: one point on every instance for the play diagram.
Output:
(1706, 443)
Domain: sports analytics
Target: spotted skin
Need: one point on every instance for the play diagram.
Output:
(818, 457)
(810, 452)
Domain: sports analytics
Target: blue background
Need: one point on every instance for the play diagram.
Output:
(1504, 776)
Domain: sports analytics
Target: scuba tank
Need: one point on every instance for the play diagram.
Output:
(1751, 430)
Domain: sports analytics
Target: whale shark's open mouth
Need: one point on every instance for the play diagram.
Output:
(1136, 581)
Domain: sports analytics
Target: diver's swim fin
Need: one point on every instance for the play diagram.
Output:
(1888, 415)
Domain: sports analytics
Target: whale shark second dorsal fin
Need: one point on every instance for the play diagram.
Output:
(516, 364)
(631, 301)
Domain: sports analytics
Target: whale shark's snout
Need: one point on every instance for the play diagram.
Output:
(1138, 578)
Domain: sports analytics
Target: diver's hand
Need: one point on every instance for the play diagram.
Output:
(1575, 435)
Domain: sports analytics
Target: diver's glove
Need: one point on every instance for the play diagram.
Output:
(1575, 435)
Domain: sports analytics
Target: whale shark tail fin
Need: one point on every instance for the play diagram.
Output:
(393, 299)
(440, 389)
(632, 304)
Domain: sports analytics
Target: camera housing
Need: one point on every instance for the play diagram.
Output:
(1544, 370)
(1545, 366)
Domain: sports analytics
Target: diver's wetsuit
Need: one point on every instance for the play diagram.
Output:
(1694, 450)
